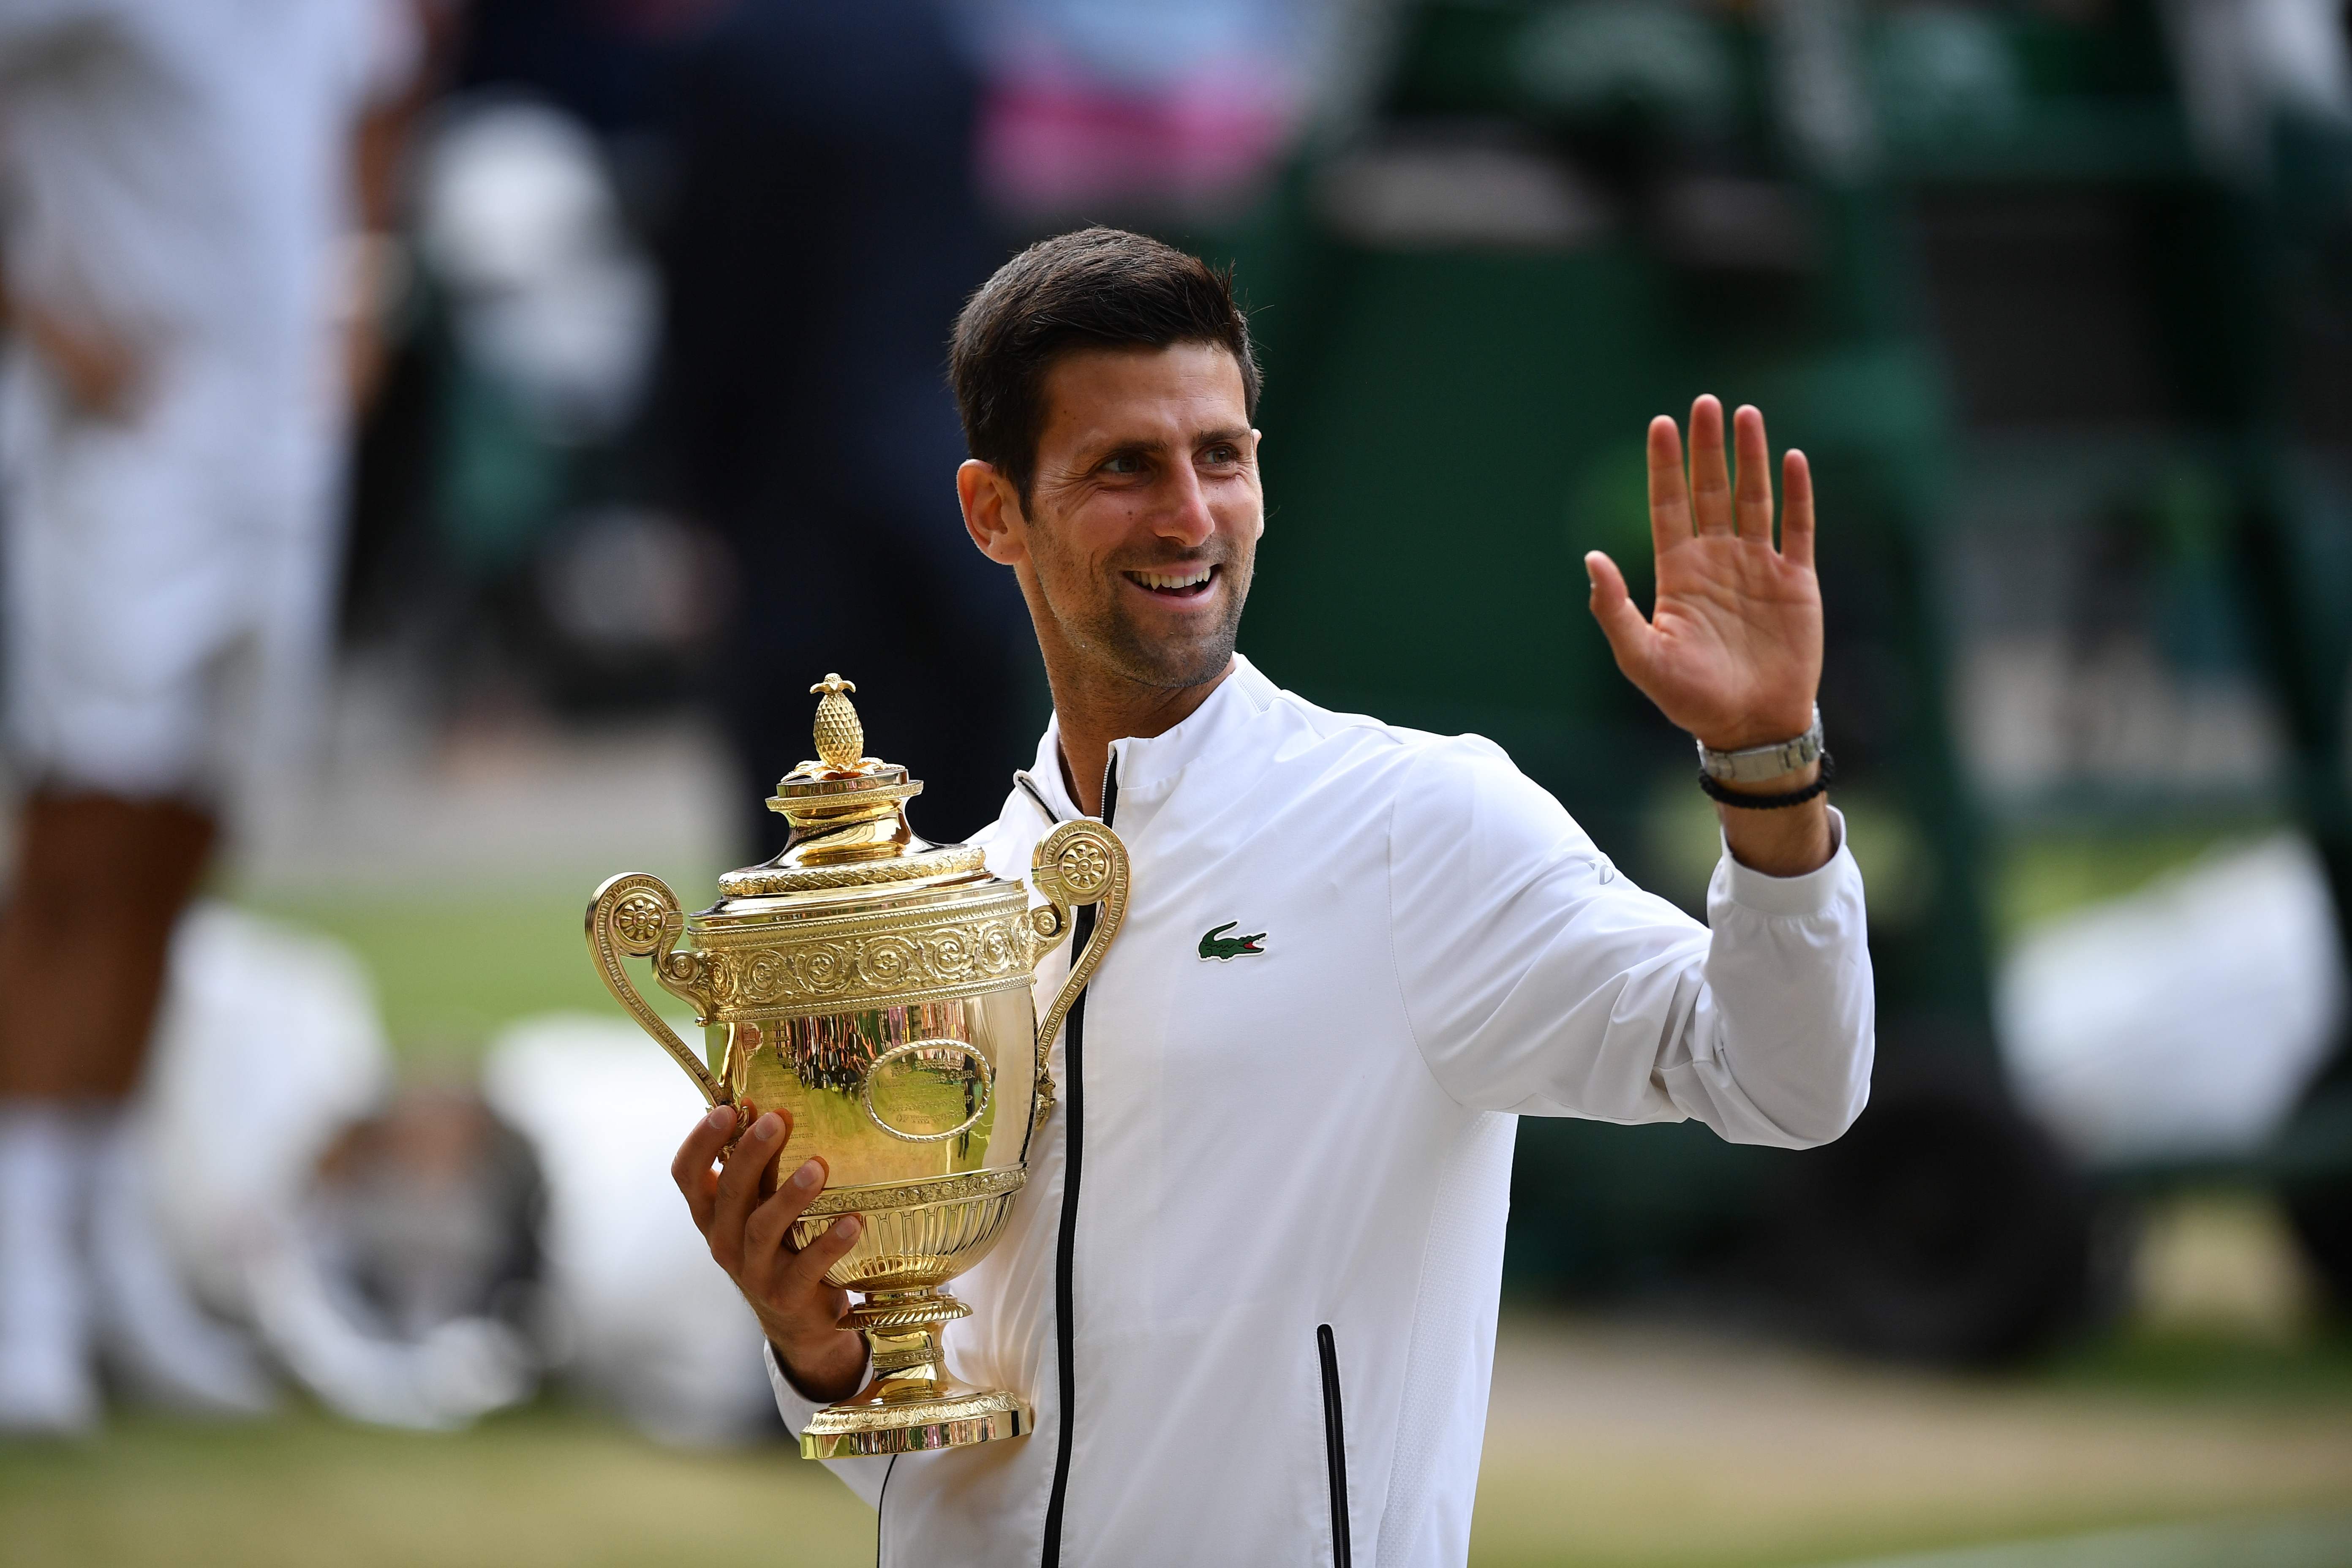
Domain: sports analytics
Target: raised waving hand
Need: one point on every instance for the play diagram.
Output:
(1732, 649)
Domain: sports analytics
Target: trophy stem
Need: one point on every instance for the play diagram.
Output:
(911, 1405)
(903, 1328)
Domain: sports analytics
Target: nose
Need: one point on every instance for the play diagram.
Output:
(1186, 517)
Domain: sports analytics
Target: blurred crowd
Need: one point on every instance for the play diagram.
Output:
(584, 357)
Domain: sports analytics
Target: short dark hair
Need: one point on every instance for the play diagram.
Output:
(1094, 288)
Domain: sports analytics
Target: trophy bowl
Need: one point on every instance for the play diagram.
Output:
(878, 989)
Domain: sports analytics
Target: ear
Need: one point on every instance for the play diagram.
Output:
(991, 512)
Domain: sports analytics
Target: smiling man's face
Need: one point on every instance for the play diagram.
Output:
(1144, 516)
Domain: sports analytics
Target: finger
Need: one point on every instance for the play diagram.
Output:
(769, 1172)
(1797, 510)
(1710, 476)
(809, 1265)
(1669, 500)
(768, 1236)
(1622, 622)
(746, 1172)
(691, 1169)
(1752, 505)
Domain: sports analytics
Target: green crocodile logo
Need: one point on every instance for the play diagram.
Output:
(1216, 944)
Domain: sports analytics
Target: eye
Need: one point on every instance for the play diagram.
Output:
(1123, 463)
(1223, 452)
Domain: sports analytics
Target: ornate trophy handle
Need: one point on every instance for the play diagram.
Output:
(638, 915)
(1081, 862)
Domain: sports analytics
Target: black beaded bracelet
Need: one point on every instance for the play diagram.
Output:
(1770, 801)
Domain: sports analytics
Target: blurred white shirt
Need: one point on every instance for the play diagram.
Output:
(176, 176)
(174, 167)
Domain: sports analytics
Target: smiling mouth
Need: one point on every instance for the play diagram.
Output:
(1192, 582)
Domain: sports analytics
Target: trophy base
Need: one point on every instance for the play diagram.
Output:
(890, 1421)
(912, 1405)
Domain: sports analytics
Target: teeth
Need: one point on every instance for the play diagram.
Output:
(1191, 579)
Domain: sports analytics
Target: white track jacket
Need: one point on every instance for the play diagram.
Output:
(1251, 1283)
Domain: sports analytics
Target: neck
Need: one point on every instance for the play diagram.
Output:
(1095, 708)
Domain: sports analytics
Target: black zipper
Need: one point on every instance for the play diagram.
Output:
(880, 1498)
(1074, 1104)
(1335, 1444)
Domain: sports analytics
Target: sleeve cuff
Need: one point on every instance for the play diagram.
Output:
(1807, 895)
(794, 1405)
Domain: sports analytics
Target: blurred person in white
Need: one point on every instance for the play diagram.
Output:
(179, 179)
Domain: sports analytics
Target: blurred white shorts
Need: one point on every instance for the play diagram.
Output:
(168, 582)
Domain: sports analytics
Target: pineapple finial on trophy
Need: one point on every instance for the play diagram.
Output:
(840, 738)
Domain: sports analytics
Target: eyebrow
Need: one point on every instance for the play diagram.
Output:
(1233, 434)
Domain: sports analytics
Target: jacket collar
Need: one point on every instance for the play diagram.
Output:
(1149, 768)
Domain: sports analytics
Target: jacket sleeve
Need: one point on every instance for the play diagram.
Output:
(1538, 979)
(862, 1475)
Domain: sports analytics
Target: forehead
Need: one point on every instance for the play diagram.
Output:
(1098, 396)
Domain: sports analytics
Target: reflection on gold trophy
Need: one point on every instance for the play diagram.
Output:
(877, 988)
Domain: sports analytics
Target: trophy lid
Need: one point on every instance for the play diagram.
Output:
(848, 813)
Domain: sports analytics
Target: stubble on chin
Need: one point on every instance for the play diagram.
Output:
(1194, 662)
(1117, 638)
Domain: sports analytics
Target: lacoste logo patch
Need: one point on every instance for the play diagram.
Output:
(1216, 944)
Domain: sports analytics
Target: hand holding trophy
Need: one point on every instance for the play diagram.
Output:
(868, 995)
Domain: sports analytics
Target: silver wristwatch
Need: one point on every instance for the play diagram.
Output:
(1754, 764)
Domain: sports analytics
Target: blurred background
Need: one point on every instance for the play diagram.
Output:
(641, 308)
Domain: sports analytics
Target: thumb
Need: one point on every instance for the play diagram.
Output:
(1622, 622)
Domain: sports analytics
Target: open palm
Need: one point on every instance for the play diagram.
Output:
(1732, 650)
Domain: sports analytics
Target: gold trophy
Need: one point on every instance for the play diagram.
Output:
(877, 988)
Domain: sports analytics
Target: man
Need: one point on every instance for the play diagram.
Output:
(177, 180)
(1252, 1282)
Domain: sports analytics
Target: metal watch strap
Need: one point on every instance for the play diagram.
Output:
(1754, 764)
